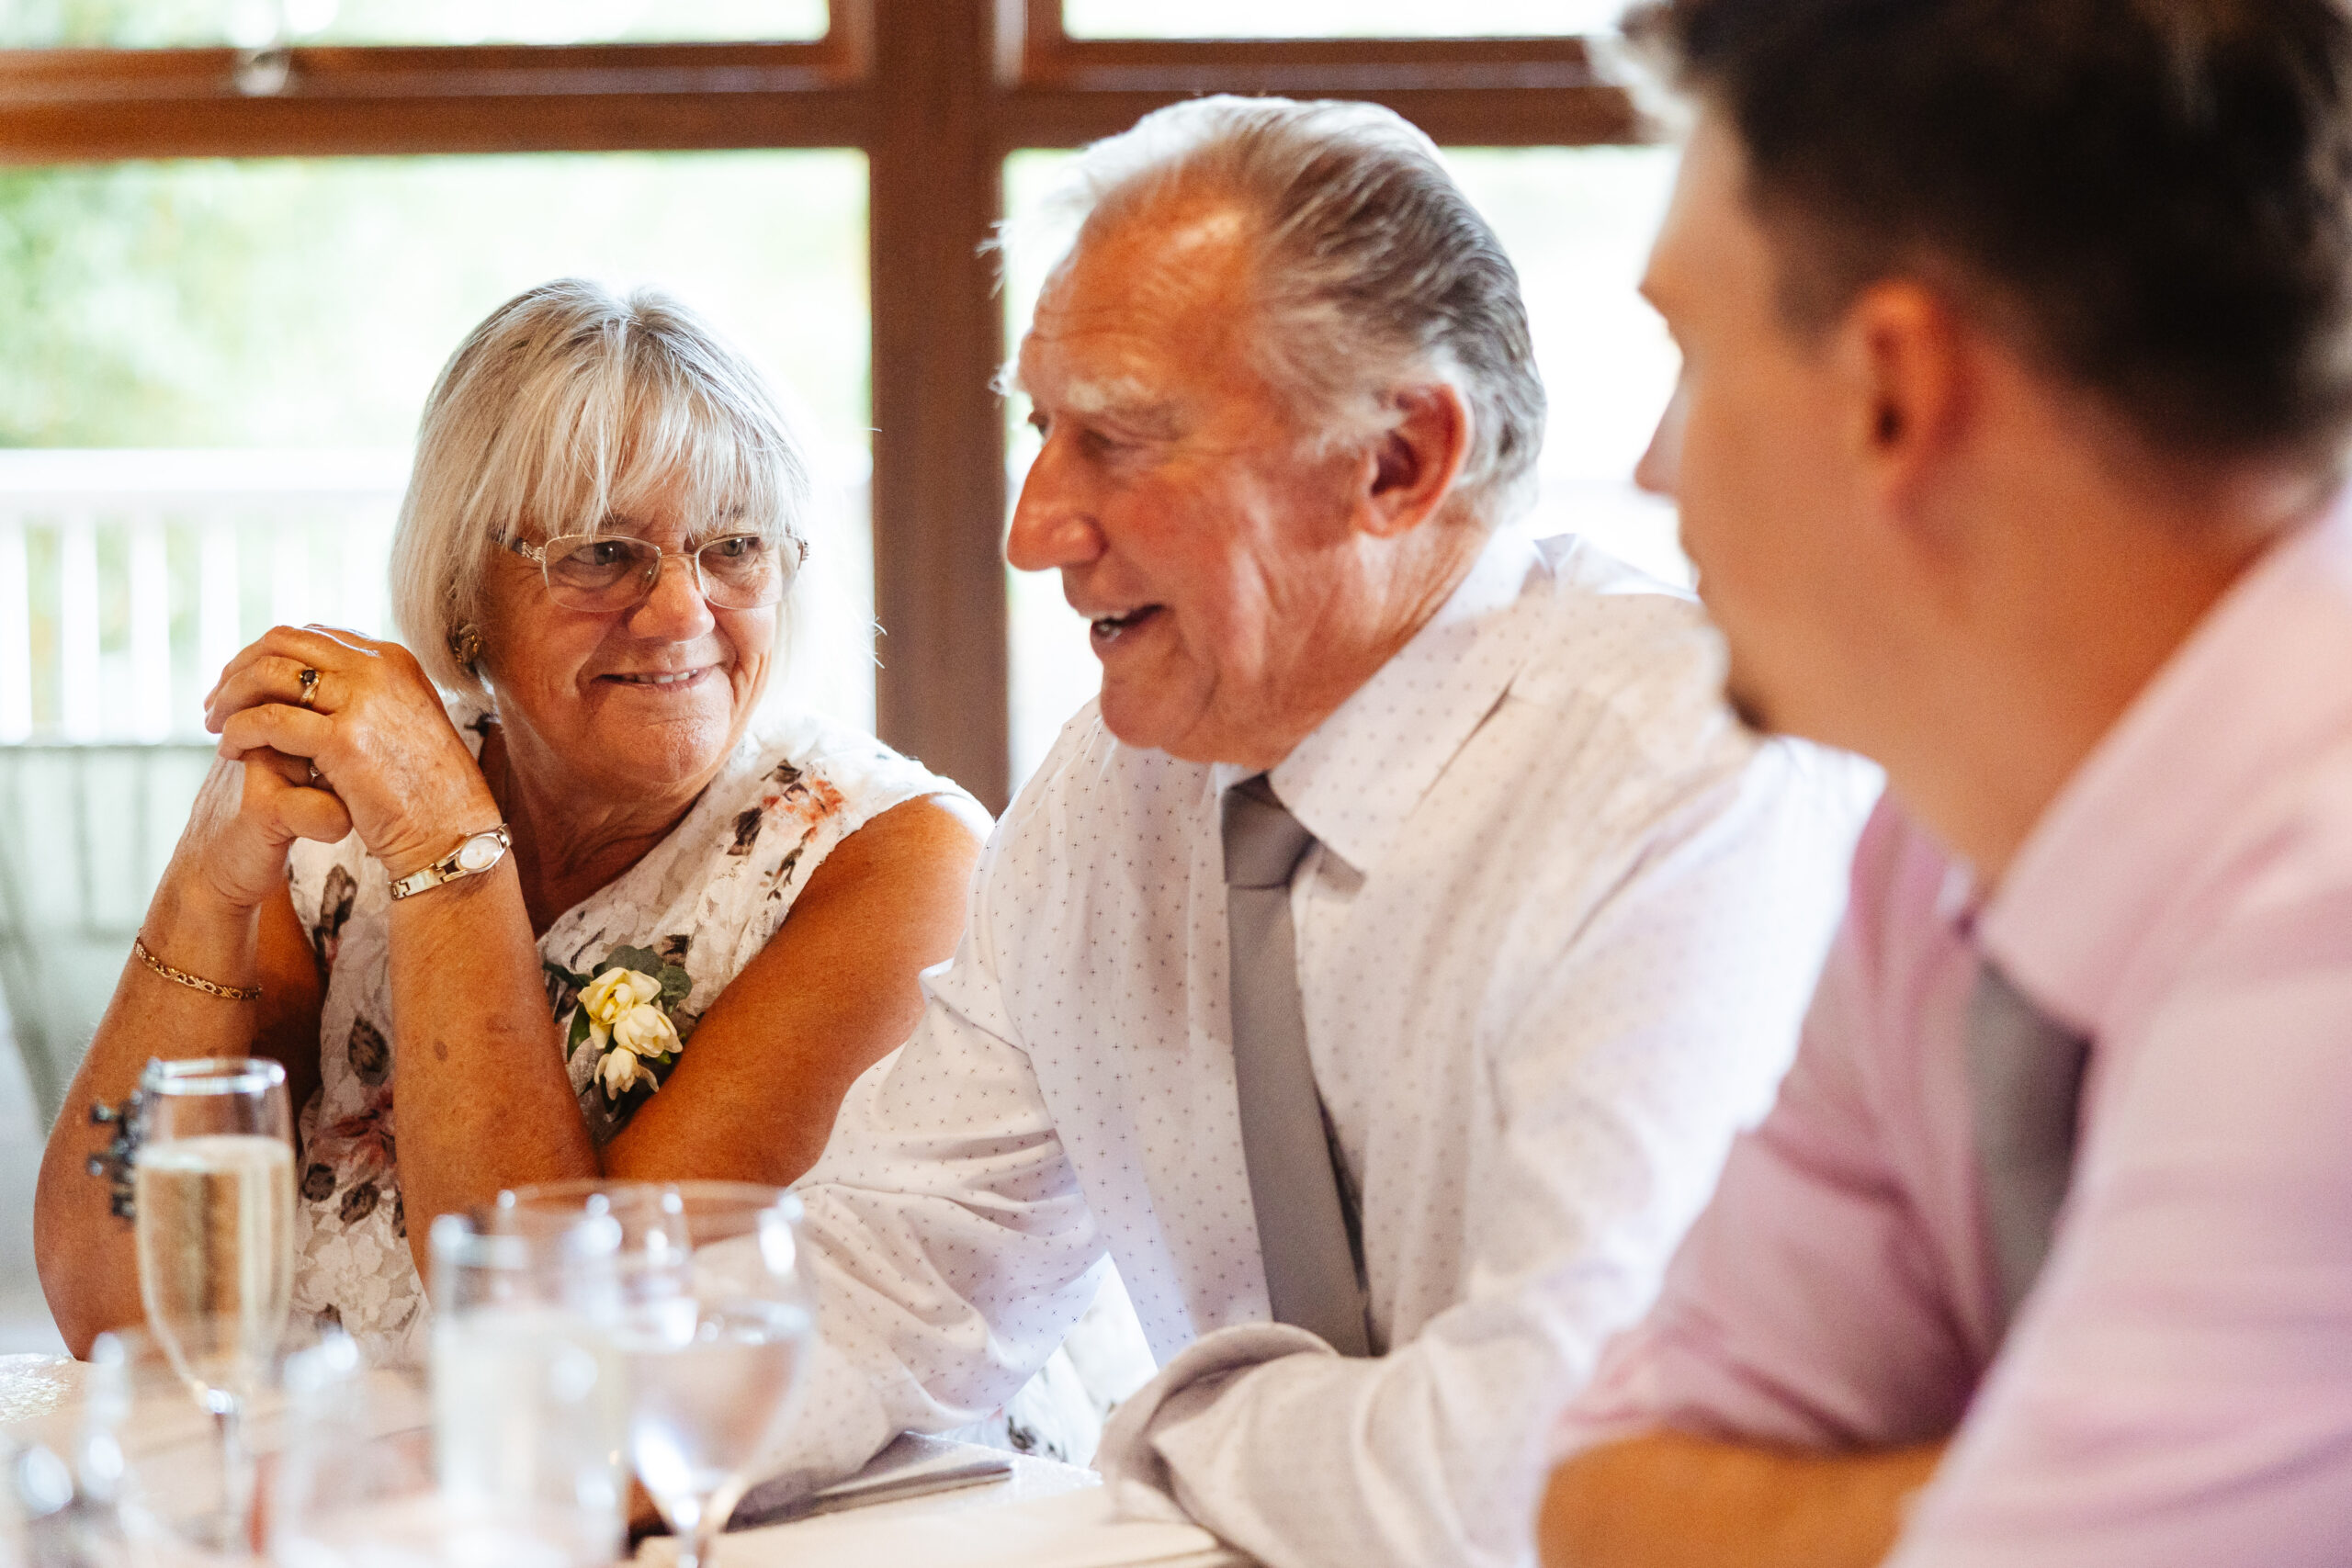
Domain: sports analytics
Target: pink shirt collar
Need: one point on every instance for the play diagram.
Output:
(2263, 679)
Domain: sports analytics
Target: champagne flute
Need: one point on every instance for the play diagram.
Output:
(713, 1319)
(213, 1186)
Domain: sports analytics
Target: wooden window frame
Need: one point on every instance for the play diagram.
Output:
(936, 93)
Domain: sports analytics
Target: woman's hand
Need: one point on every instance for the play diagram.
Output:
(374, 729)
(248, 814)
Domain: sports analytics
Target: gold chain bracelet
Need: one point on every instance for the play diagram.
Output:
(194, 982)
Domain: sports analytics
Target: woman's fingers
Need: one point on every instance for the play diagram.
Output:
(279, 799)
(274, 678)
(307, 813)
(296, 732)
(305, 646)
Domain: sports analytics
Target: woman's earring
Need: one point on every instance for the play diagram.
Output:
(465, 644)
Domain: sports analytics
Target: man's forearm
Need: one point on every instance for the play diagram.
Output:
(1667, 1500)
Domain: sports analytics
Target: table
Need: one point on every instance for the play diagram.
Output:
(1043, 1514)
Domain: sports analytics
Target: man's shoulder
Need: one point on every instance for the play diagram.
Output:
(1602, 630)
(2275, 896)
(1618, 658)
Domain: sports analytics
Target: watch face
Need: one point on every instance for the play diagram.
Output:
(477, 854)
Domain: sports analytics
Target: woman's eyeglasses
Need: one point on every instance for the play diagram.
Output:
(612, 572)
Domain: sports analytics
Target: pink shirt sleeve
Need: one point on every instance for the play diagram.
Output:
(1811, 1305)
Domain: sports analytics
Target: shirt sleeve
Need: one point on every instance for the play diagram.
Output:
(2178, 1391)
(1808, 1305)
(946, 1232)
(1659, 1028)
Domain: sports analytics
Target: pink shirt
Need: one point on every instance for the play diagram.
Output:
(2177, 1389)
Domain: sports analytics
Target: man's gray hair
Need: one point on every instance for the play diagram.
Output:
(568, 405)
(1374, 270)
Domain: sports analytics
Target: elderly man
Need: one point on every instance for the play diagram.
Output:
(1379, 973)
(2017, 344)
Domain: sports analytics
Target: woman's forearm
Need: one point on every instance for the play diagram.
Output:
(483, 1099)
(1665, 1498)
(83, 1253)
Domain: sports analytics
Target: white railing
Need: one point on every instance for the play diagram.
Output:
(128, 578)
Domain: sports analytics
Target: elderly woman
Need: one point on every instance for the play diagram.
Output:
(559, 790)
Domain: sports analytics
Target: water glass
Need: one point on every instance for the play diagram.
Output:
(712, 1315)
(354, 1487)
(529, 1396)
(213, 1181)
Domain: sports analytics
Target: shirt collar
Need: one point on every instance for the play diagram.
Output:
(2249, 694)
(1355, 780)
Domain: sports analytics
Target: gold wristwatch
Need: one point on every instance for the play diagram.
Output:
(473, 857)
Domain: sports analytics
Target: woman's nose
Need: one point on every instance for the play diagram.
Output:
(674, 610)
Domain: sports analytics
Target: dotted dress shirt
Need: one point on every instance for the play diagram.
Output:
(1553, 947)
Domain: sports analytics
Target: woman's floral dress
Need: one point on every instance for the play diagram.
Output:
(705, 900)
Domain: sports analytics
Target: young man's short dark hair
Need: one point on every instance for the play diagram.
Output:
(2154, 196)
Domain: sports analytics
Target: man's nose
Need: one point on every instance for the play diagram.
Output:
(1660, 469)
(1052, 524)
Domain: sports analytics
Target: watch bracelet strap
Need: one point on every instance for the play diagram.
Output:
(447, 869)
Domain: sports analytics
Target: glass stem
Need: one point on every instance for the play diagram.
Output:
(236, 1475)
(699, 1548)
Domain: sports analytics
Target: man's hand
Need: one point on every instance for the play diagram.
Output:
(1670, 1501)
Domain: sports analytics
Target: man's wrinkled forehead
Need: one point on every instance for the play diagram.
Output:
(1150, 288)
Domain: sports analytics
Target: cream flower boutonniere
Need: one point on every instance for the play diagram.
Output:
(626, 1015)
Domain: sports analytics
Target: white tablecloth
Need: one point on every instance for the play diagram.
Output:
(1043, 1514)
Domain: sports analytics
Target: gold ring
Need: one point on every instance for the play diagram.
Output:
(310, 688)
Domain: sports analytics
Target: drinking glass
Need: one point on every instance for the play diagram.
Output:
(148, 1463)
(528, 1393)
(354, 1487)
(213, 1184)
(712, 1316)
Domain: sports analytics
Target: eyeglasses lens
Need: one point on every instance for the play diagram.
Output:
(612, 572)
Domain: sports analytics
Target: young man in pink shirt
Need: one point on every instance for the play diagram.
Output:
(2018, 378)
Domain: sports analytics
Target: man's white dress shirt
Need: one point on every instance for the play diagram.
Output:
(1552, 949)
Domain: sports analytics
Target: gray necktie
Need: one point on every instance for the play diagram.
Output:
(1303, 1230)
(2025, 1076)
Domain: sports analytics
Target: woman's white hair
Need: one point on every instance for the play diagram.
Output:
(563, 413)
(1373, 270)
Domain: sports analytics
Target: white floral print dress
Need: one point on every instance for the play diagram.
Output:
(706, 900)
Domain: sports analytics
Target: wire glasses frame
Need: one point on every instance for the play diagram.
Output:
(606, 572)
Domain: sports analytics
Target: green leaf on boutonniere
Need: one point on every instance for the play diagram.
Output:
(635, 958)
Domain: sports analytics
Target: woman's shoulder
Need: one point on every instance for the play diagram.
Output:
(796, 750)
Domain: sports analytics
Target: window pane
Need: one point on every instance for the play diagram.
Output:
(1337, 18)
(146, 24)
(225, 361)
(1578, 222)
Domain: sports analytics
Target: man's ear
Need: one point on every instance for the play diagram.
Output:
(1413, 467)
(1906, 355)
